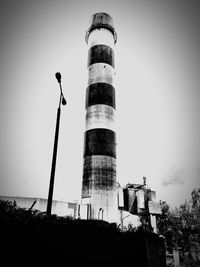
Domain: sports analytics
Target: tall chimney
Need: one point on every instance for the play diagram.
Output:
(99, 160)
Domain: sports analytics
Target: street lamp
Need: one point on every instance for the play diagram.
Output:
(53, 166)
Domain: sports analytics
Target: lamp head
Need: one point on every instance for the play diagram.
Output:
(64, 102)
(58, 77)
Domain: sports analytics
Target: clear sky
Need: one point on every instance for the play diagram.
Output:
(157, 93)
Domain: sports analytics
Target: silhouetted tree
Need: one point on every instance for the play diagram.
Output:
(178, 225)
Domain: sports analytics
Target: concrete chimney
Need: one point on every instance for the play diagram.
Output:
(99, 159)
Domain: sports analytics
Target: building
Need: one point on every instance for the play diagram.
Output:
(59, 208)
(140, 200)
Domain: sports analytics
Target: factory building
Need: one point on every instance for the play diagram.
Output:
(140, 200)
(134, 201)
(59, 208)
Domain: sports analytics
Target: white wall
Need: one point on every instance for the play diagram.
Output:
(59, 208)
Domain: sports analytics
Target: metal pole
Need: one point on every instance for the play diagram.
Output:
(53, 166)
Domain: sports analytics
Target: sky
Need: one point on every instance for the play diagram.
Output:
(157, 64)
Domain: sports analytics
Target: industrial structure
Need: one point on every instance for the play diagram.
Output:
(59, 208)
(140, 200)
(102, 196)
(99, 187)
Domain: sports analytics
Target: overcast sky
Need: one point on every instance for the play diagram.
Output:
(157, 94)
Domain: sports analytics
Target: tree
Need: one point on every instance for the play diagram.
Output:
(196, 208)
(168, 223)
(180, 226)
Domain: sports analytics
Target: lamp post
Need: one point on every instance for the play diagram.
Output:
(53, 166)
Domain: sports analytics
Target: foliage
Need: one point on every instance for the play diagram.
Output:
(10, 213)
(29, 236)
(179, 225)
(196, 206)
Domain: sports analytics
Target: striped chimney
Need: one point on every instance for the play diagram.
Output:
(99, 162)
